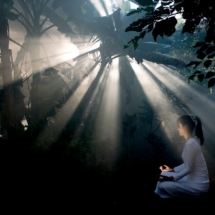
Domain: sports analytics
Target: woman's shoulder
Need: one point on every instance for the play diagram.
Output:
(192, 142)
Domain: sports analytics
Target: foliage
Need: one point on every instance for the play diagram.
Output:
(174, 104)
(182, 44)
(37, 18)
(5, 10)
(128, 129)
(30, 16)
(149, 117)
(159, 148)
(161, 21)
(152, 120)
(206, 54)
(127, 125)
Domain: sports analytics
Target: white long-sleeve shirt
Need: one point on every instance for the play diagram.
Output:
(191, 177)
(194, 167)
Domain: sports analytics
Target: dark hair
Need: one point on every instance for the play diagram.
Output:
(194, 125)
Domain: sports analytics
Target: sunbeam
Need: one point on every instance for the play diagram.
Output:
(104, 7)
(69, 108)
(155, 97)
(189, 93)
(149, 86)
(109, 114)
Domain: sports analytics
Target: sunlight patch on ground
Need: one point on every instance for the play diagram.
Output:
(109, 113)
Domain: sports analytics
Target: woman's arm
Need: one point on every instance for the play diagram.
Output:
(179, 168)
(189, 154)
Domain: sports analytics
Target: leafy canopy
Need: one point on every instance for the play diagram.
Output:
(161, 20)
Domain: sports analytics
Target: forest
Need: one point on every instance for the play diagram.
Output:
(90, 93)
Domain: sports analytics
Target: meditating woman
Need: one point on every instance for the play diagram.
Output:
(190, 178)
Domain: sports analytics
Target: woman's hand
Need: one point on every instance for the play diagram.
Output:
(165, 168)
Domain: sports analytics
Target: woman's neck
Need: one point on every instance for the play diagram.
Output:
(188, 136)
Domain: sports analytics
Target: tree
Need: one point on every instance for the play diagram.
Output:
(160, 20)
(6, 63)
(31, 16)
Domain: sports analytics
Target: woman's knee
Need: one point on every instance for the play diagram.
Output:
(165, 186)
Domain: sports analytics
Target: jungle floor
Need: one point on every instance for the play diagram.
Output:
(54, 193)
(51, 185)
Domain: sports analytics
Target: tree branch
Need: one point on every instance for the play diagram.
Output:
(81, 55)
(27, 29)
(23, 5)
(43, 22)
(17, 43)
(34, 6)
(41, 10)
(46, 29)
(27, 22)
(43, 5)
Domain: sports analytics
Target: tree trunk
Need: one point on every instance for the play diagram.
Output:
(34, 49)
(6, 54)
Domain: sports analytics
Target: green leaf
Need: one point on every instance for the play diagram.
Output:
(149, 9)
(160, 8)
(169, 26)
(126, 46)
(158, 30)
(197, 72)
(209, 74)
(196, 63)
(207, 63)
(199, 44)
(203, 48)
(209, 36)
(211, 82)
(12, 16)
(135, 43)
(189, 26)
(211, 56)
(201, 55)
(178, 3)
(210, 50)
(201, 77)
(150, 27)
(146, 2)
(191, 78)
(132, 12)
(142, 35)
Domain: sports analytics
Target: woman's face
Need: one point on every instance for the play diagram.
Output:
(182, 129)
